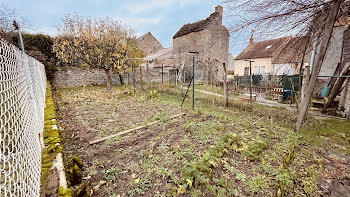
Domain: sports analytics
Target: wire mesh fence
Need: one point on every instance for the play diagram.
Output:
(22, 102)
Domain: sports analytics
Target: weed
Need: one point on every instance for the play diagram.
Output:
(254, 149)
(91, 171)
(154, 94)
(197, 172)
(139, 186)
(285, 178)
(196, 193)
(163, 172)
(257, 183)
(111, 174)
(241, 176)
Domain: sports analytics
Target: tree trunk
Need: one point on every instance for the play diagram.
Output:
(121, 78)
(318, 63)
(225, 85)
(108, 80)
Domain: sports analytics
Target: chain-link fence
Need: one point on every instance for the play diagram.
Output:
(22, 102)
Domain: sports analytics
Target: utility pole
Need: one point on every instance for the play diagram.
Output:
(251, 79)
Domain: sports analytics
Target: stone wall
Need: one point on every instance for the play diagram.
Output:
(334, 52)
(74, 76)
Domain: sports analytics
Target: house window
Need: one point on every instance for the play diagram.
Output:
(259, 70)
(246, 71)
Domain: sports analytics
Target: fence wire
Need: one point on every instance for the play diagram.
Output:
(22, 102)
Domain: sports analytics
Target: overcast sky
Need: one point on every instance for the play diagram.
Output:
(163, 18)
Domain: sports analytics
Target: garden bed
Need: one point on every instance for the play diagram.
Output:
(242, 150)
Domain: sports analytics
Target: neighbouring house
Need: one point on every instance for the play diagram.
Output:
(148, 43)
(280, 56)
(288, 60)
(210, 39)
(230, 66)
(158, 62)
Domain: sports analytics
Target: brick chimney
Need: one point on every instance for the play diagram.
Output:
(219, 9)
(251, 39)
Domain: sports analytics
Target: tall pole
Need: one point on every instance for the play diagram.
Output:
(162, 73)
(20, 42)
(251, 80)
(193, 65)
(133, 78)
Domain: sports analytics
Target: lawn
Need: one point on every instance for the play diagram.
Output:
(241, 150)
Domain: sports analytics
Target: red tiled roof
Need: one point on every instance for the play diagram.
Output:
(292, 52)
(266, 48)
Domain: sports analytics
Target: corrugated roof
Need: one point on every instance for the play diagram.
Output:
(157, 54)
(197, 26)
(266, 48)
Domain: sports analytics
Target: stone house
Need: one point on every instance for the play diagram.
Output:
(210, 39)
(280, 56)
(148, 43)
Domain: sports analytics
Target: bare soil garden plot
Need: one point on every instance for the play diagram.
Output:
(210, 151)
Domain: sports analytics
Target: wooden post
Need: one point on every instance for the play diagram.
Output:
(337, 85)
(148, 76)
(162, 74)
(225, 85)
(141, 78)
(318, 63)
(133, 78)
(306, 77)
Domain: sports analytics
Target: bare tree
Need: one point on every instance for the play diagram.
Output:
(7, 16)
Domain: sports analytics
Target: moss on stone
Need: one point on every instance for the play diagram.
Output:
(74, 175)
(77, 161)
(52, 142)
(65, 192)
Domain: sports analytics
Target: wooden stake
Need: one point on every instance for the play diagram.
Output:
(318, 63)
(131, 130)
(258, 121)
(141, 78)
(225, 85)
